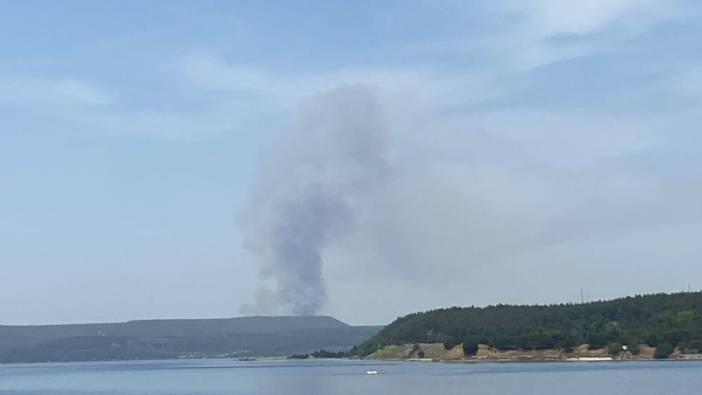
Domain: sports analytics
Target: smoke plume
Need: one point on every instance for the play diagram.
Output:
(307, 193)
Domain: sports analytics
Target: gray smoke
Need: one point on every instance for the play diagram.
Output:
(307, 194)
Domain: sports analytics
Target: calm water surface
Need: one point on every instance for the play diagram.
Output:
(214, 377)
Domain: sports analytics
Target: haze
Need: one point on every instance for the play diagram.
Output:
(356, 159)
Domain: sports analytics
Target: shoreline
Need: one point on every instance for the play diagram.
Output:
(426, 352)
(364, 360)
(501, 361)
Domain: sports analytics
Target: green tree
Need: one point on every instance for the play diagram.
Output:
(614, 349)
(596, 340)
(663, 350)
(634, 349)
(470, 348)
(450, 343)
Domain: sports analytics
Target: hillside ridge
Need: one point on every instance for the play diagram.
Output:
(667, 322)
(179, 338)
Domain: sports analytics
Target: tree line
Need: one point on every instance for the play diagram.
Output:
(664, 321)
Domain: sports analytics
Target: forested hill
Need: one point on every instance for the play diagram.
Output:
(164, 339)
(670, 319)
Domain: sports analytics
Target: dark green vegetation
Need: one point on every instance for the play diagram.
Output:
(665, 321)
(299, 356)
(663, 350)
(330, 354)
(164, 339)
(321, 354)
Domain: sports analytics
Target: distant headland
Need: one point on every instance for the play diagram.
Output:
(242, 338)
(657, 326)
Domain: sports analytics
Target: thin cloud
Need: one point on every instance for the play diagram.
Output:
(59, 92)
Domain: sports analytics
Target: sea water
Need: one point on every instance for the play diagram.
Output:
(331, 377)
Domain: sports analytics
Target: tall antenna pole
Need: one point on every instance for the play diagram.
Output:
(582, 296)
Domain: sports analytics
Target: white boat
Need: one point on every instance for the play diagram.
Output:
(371, 372)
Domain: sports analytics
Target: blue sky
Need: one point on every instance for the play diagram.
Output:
(545, 145)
